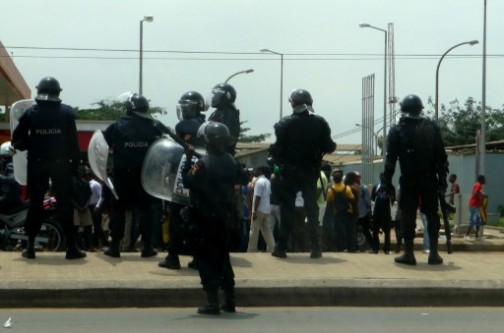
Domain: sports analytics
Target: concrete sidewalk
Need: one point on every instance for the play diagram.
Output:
(468, 278)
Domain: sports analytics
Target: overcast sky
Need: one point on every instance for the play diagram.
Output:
(195, 44)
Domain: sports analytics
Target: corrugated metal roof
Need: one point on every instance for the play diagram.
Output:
(344, 154)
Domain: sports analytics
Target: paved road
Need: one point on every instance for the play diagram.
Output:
(277, 320)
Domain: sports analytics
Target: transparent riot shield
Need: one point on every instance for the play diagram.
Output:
(20, 159)
(161, 171)
(98, 152)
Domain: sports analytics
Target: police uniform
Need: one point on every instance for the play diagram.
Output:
(49, 132)
(229, 115)
(179, 229)
(301, 141)
(189, 108)
(416, 142)
(211, 183)
(223, 98)
(130, 137)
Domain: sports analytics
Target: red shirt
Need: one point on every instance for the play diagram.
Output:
(476, 195)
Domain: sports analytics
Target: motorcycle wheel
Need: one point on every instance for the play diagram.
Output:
(51, 237)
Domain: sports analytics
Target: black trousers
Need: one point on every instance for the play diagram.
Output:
(413, 189)
(365, 224)
(132, 197)
(295, 179)
(212, 252)
(383, 223)
(59, 172)
(176, 230)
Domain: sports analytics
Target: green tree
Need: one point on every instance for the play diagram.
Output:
(250, 138)
(109, 110)
(460, 122)
(113, 110)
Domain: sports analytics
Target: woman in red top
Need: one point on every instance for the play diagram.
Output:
(474, 206)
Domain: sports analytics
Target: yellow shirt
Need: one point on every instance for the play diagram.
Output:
(340, 187)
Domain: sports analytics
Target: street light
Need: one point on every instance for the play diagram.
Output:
(374, 134)
(146, 19)
(472, 42)
(384, 146)
(281, 77)
(237, 73)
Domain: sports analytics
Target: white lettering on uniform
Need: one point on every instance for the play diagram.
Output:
(47, 131)
(139, 144)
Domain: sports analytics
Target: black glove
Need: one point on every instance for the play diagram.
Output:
(189, 151)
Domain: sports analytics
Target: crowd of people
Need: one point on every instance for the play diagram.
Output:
(292, 203)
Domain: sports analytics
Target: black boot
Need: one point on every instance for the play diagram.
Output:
(29, 251)
(193, 264)
(434, 257)
(113, 250)
(279, 253)
(229, 304)
(171, 261)
(73, 252)
(148, 251)
(88, 238)
(212, 305)
(408, 258)
(315, 253)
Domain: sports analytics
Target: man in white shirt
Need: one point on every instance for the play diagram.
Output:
(96, 213)
(261, 210)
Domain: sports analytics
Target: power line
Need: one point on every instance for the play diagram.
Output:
(305, 56)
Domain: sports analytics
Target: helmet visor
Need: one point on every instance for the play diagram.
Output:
(187, 109)
(47, 97)
(215, 97)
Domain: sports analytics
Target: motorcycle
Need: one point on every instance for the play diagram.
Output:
(12, 232)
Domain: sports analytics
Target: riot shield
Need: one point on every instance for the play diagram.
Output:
(20, 159)
(161, 171)
(98, 151)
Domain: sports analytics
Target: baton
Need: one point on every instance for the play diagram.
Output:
(446, 223)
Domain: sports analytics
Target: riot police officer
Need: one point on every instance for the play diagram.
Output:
(211, 181)
(49, 132)
(222, 98)
(416, 142)
(129, 138)
(301, 141)
(189, 108)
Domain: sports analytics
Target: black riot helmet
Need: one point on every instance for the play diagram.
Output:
(412, 105)
(48, 89)
(300, 97)
(138, 104)
(190, 105)
(222, 94)
(216, 135)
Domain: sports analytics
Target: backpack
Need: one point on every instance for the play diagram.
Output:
(341, 203)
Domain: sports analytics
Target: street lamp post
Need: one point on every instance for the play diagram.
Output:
(237, 73)
(146, 19)
(384, 146)
(281, 77)
(472, 42)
